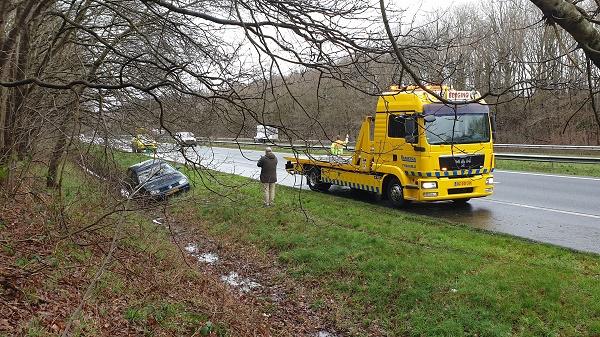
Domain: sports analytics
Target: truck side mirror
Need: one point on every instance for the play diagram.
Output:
(429, 118)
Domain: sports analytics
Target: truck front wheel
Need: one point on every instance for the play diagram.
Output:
(313, 179)
(395, 194)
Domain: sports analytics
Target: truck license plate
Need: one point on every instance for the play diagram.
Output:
(462, 183)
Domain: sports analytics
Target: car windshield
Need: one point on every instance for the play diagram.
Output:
(457, 124)
(155, 171)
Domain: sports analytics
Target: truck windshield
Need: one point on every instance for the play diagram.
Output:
(457, 124)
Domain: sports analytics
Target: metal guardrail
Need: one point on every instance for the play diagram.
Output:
(507, 156)
(497, 145)
(548, 147)
(547, 158)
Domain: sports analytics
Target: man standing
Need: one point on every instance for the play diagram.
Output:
(268, 175)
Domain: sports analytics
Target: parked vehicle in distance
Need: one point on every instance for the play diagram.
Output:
(156, 179)
(142, 143)
(265, 133)
(186, 139)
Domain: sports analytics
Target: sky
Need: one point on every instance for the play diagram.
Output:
(416, 12)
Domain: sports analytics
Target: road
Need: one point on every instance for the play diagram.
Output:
(561, 210)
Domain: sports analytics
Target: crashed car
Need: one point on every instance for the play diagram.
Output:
(156, 179)
(186, 139)
(142, 143)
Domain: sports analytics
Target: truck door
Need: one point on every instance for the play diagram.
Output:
(400, 142)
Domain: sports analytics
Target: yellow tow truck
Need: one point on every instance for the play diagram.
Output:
(415, 148)
(143, 143)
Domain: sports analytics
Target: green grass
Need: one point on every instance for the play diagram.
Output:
(416, 275)
(170, 315)
(412, 275)
(591, 170)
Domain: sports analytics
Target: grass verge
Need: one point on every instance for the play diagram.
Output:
(51, 251)
(590, 170)
(404, 274)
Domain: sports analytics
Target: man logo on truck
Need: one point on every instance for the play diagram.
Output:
(464, 162)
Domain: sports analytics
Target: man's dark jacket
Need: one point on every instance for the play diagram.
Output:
(268, 165)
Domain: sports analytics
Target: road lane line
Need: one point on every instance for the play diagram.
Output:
(549, 175)
(593, 216)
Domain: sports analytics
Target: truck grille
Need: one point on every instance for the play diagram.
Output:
(462, 162)
(460, 190)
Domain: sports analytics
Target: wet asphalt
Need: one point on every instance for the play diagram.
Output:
(555, 209)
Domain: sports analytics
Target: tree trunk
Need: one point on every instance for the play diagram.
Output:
(57, 152)
(568, 16)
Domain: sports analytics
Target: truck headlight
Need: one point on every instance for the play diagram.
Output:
(182, 181)
(489, 181)
(154, 192)
(428, 185)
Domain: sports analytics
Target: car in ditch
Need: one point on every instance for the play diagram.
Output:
(156, 179)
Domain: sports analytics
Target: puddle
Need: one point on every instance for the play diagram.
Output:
(158, 221)
(244, 284)
(209, 258)
(324, 333)
(192, 249)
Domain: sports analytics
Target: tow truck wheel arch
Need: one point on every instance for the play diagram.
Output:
(393, 191)
(313, 178)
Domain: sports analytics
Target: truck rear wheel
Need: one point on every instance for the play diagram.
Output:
(395, 193)
(313, 179)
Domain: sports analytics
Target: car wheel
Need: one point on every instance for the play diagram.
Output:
(395, 193)
(313, 179)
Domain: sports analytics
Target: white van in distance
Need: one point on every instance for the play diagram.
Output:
(265, 133)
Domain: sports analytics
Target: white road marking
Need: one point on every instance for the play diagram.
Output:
(593, 216)
(549, 175)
